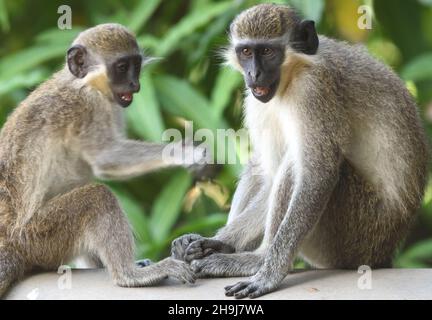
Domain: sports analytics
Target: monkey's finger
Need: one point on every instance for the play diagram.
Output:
(229, 287)
(245, 292)
(184, 273)
(193, 250)
(257, 293)
(208, 252)
(236, 288)
(190, 257)
(177, 251)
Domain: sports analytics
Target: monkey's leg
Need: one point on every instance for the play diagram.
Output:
(248, 263)
(289, 223)
(11, 269)
(357, 228)
(90, 218)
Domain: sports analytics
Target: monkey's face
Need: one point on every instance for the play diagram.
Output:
(124, 75)
(120, 76)
(262, 38)
(261, 63)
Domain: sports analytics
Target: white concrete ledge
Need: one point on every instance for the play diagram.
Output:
(314, 284)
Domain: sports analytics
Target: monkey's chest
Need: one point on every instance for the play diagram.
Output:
(275, 137)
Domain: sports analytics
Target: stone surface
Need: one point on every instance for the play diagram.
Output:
(313, 284)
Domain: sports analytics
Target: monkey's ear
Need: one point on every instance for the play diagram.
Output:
(305, 38)
(76, 60)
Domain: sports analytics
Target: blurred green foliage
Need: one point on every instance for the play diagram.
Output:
(188, 34)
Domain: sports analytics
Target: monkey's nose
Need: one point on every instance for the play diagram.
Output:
(254, 75)
(135, 86)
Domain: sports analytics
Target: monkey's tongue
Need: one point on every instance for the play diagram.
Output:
(261, 91)
(127, 96)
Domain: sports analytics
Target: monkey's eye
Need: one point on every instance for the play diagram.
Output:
(246, 52)
(267, 51)
(122, 67)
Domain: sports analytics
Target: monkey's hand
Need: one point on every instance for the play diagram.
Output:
(179, 245)
(255, 287)
(176, 269)
(194, 156)
(204, 247)
(193, 246)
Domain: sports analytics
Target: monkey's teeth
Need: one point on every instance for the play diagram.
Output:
(261, 91)
(126, 96)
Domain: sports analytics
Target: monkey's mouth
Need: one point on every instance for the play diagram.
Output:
(264, 93)
(261, 91)
(124, 98)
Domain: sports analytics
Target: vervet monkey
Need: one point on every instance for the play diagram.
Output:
(339, 164)
(67, 131)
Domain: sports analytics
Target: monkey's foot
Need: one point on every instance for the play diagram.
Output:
(144, 263)
(155, 273)
(204, 247)
(179, 245)
(255, 287)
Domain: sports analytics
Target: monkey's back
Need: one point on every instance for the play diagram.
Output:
(40, 124)
(383, 176)
(388, 144)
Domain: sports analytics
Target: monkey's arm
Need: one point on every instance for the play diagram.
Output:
(248, 187)
(311, 191)
(121, 159)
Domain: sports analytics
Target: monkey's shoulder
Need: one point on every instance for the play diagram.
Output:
(353, 63)
(54, 105)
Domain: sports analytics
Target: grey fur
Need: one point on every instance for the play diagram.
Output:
(344, 152)
(66, 132)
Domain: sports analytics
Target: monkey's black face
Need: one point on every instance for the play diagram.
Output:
(124, 78)
(261, 63)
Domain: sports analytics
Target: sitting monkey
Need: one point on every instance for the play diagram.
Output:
(339, 164)
(67, 131)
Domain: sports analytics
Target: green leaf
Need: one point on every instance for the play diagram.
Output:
(4, 18)
(401, 21)
(28, 59)
(57, 36)
(212, 31)
(180, 98)
(212, 221)
(148, 42)
(134, 213)
(310, 9)
(227, 81)
(426, 2)
(144, 114)
(167, 206)
(142, 13)
(420, 68)
(418, 251)
(189, 24)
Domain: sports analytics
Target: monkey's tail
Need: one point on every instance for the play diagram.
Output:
(10, 269)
